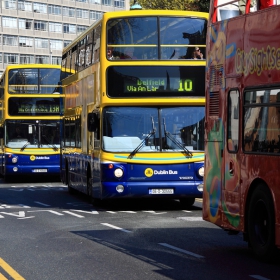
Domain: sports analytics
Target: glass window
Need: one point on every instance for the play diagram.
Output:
(32, 134)
(25, 5)
(25, 42)
(81, 29)
(10, 40)
(55, 10)
(147, 129)
(95, 1)
(26, 59)
(40, 25)
(69, 28)
(25, 23)
(10, 4)
(233, 121)
(82, 13)
(42, 59)
(40, 8)
(56, 45)
(10, 58)
(68, 12)
(9, 22)
(55, 27)
(41, 43)
(119, 3)
(157, 38)
(262, 121)
(95, 15)
(107, 2)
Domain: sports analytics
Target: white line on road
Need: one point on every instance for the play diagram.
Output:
(131, 212)
(111, 212)
(42, 203)
(88, 212)
(155, 213)
(259, 277)
(109, 225)
(181, 250)
(51, 211)
(73, 214)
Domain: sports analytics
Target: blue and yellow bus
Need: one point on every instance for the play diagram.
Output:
(31, 109)
(135, 107)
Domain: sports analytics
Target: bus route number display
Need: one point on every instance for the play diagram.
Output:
(40, 108)
(158, 84)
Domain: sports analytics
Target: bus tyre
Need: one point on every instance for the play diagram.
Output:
(261, 224)
(187, 202)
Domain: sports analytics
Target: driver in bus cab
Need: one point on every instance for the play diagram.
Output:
(18, 133)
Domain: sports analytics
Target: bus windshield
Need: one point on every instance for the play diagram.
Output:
(149, 38)
(32, 134)
(34, 80)
(163, 129)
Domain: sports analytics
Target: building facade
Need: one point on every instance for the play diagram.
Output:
(37, 31)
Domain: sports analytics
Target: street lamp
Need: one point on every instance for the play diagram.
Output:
(136, 6)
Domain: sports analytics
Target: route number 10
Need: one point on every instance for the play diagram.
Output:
(185, 85)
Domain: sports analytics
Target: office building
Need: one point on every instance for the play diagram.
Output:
(37, 31)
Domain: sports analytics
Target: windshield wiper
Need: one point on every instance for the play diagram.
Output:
(140, 146)
(175, 141)
(49, 143)
(24, 146)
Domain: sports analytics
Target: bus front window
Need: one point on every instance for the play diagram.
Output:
(172, 129)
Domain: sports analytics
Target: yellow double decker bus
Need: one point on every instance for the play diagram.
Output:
(135, 106)
(31, 109)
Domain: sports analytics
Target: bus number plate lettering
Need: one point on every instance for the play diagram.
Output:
(161, 191)
(40, 170)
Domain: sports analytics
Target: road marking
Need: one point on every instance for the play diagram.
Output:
(51, 211)
(191, 219)
(1, 216)
(121, 229)
(21, 214)
(155, 213)
(188, 211)
(131, 212)
(181, 250)
(6, 206)
(38, 202)
(259, 277)
(10, 270)
(73, 214)
(88, 212)
(112, 212)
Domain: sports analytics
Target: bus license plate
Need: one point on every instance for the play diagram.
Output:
(161, 191)
(40, 170)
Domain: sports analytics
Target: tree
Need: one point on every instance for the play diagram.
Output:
(184, 5)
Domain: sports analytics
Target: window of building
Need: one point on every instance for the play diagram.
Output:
(9, 40)
(40, 25)
(94, 1)
(69, 12)
(56, 45)
(95, 15)
(41, 43)
(25, 23)
(40, 8)
(119, 3)
(10, 4)
(42, 59)
(56, 60)
(26, 59)
(1, 58)
(69, 28)
(84, 1)
(107, 2)
(66, 43)
(24, 5)
(81, 29)
(25, 42)
(9, 22)
(55, 10)
(10, 58)
(82, 13)
(55, 27)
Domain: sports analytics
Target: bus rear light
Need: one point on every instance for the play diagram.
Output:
(120, 188)
(110, 166)
(118, 173)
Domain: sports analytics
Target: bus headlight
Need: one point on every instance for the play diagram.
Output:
(118, 172)
(14, 160)
(120, 188)
(201, 171)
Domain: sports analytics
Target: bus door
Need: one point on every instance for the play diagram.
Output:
(231, 164)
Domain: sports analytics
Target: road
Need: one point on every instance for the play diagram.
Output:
(46, 233)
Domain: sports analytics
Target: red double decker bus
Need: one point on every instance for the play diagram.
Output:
(242, 127)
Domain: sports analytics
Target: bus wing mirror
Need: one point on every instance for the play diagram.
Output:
(92, 122)
(1, 132)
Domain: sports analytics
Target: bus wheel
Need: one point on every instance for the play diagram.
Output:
(261, 224)
(187, 202)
